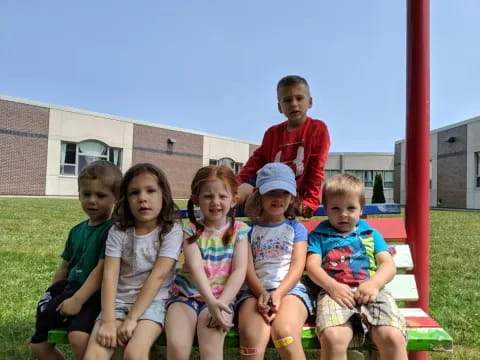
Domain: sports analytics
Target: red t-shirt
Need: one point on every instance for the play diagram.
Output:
(304, 149)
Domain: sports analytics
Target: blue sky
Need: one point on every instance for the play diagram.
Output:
(212, 66)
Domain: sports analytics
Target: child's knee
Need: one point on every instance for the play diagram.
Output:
(131, 353)
(37, 349)
(78, 338)
(335, 337)
(282, 331)
(388, 336)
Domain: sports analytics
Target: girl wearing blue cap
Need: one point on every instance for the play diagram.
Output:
(274, 303)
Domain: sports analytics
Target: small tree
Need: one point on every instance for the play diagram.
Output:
(378, 196)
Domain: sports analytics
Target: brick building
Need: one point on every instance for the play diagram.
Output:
(454, 166)
(43, 147)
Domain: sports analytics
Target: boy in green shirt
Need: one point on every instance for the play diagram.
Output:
(73, 301)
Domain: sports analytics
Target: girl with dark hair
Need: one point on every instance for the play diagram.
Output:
(141, 251)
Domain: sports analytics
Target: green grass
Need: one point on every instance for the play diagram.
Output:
(33, 231)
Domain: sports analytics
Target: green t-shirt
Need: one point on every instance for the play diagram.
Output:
(85, 246)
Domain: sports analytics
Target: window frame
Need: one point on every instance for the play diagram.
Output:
(477, 169)
(78, 154)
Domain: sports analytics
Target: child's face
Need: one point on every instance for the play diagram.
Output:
(276, 202)
(97, 200)
(145, 199)
(294, 102)
(343, 212)
(215, 201)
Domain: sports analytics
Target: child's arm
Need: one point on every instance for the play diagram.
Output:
(339, 292)
(61, 273)
(315, 171)
(73, 305)
(161, 269)
(368, 290)
(239, 270)
(256, 160)
(107, 333)
(293, 276)
(256, 287)
(193, 259)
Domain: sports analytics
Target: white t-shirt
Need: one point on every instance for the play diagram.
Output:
(272, 248)
(138, 255)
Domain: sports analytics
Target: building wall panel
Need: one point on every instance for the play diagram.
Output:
(452, 167)
(179, 160)
(23, 148)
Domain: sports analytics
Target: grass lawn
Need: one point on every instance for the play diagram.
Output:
(33, 231)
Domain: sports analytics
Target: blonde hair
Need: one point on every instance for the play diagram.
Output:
(341, 185)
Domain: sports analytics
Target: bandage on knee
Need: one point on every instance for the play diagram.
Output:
(248, 351)
(283, 342)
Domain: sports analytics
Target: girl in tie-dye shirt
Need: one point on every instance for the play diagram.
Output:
(216, 253)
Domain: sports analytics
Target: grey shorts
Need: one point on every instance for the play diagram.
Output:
(154, 312)
(298, 290)
(382, 311)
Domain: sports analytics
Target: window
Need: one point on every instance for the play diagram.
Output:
(75, 156)
(368, 177)
(232, 164)
(330, 173)
(477, 168)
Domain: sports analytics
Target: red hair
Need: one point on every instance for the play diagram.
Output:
(204, 175)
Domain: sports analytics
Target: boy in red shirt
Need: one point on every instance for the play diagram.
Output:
(300, 142)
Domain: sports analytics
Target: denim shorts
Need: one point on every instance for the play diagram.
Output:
(298, 290)
(195, 304)
(155, 311)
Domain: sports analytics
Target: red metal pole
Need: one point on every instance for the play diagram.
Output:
(418, 146)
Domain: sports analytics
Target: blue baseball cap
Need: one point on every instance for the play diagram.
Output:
(276, 176)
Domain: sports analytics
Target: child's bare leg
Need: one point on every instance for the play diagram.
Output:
(78, 341)
(95, 351)
(244, 191)
(45, 351)
(180, 325)
(287, 328)
(210, 340)
(254, 332)
(334, 342)
(390, 342)
(145, 334)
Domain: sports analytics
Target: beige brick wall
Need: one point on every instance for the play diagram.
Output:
(179, 162)
(23, 148)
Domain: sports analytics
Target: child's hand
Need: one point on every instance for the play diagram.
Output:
(107, 334)
(218, 320)
(305, 211)
(69, 307)
(275, 300)
(263, 307)
(343, 295)
(125, 331)
(366, 292)
(262, 303)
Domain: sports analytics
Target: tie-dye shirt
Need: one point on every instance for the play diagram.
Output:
(216, 257)
(349, 259)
